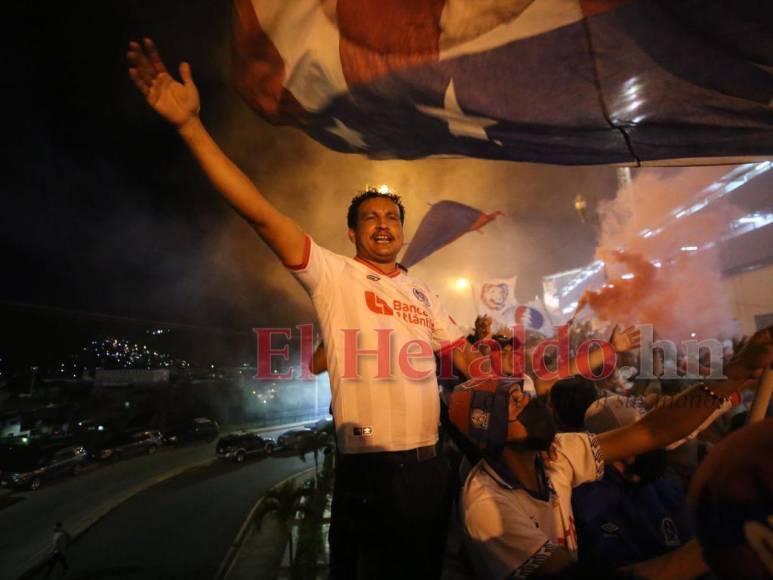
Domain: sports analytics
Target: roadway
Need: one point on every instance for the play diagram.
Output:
(27, 518)
(181, 528)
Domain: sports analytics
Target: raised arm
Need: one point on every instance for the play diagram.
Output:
(178, 103)
(687, 411)
(621, 341)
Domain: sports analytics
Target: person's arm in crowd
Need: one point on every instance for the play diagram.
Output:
(688, 410)
(684, 563)
(178, 103)
(483, 325)
(621, 341)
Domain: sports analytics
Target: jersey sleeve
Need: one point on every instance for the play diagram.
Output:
(445, 332)
(505, 543)
(317, 267)
(579, 459)
(733, 401)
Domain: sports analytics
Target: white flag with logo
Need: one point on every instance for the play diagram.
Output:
(494, 297)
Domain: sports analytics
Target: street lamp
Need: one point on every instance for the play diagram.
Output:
(461, 284)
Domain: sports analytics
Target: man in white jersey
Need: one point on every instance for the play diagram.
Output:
(390, 506)
(361, 305)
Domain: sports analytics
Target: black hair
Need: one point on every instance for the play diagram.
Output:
(370, 193)
(570, 398)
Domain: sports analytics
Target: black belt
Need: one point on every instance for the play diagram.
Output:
(407, 457)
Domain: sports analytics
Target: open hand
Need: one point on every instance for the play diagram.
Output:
(625, 340)
(483, 327)
(177, 102)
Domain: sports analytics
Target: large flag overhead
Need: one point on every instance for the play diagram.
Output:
(550, 81)
(444, 222)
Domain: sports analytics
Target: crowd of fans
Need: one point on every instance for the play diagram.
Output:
(584, 478)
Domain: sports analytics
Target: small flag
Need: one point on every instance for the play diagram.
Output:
(445, 222)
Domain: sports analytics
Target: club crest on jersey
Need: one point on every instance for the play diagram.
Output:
(670, 532)
(479, 419)
(373, 277)
(421, 297)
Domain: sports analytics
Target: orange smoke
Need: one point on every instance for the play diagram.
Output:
(684, 297)
(613, 301)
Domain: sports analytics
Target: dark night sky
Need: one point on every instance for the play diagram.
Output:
(104, 211)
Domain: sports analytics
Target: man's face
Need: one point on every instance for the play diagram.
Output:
(518, 401)
(379, 233)
(530, 421)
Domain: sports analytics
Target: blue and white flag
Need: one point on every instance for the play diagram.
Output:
(549, 81)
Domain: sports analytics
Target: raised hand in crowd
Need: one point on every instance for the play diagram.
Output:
(177, 102)
(625, 340)
(690, 409)
(483, 324)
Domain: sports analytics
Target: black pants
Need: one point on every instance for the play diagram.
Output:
(58, 557)
(389, 518)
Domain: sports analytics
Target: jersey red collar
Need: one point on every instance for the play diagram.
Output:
(399, 268)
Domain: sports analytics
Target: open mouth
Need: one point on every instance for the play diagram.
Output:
(383, 238)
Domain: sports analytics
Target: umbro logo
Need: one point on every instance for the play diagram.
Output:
(373, 277)
(610, 527)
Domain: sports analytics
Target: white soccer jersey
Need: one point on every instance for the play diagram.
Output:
(510, 532)
(387, 403)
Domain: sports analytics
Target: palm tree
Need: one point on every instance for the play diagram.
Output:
(314, 444)
(285, 502)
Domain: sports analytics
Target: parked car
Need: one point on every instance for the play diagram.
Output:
(294, 437)
(144, 442)
(27, 467)
(200, 429)
(323, 424)
(238, 446)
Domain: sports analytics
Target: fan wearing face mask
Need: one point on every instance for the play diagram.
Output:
(517, 512)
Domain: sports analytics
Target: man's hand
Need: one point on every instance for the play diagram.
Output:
(176, 102)
(625, 340)
(483, 327)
